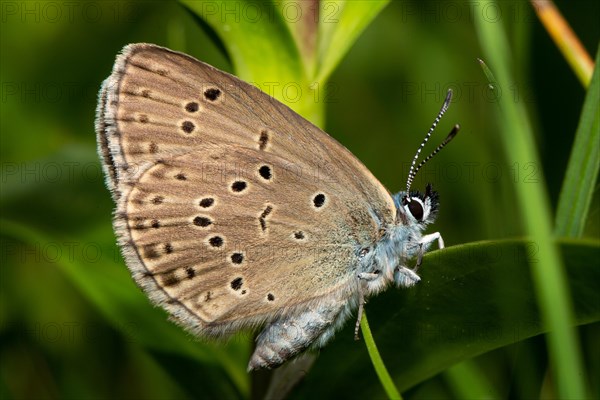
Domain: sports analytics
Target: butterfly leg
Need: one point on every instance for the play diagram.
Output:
(290, 335)
(424, 243)
(362, 277)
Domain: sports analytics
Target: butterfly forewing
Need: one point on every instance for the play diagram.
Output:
(218, 239)
(230, 207)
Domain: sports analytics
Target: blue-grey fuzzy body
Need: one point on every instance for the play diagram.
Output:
(380, 264)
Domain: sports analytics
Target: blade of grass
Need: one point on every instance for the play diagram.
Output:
(582, 171)
(566, 40)
(469, 382)
(549, 277)
(382, 372)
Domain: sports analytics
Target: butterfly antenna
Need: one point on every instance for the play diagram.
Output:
(413, 171)
(450, 136)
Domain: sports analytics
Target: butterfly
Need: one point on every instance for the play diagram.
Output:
(233, 212)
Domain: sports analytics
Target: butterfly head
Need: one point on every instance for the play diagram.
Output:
(415, 208)
(418, 208)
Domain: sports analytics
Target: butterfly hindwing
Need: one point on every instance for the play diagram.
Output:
(231, 244)
(230, 207)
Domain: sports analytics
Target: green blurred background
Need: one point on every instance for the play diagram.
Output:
(62, 335)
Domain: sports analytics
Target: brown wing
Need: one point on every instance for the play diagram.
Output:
(218, 187)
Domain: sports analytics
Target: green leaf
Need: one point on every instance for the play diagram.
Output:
(255, 36)
(109, 287)
(584, 163)
(340, 24)
(459, 310)
(261, 48)
(302, 19)
(288, 49)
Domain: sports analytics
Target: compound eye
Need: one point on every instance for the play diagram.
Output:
(416, 209)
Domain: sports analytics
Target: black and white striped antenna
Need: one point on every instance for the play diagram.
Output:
(413, 170)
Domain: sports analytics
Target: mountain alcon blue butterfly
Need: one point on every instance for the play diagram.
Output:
(233, 212)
